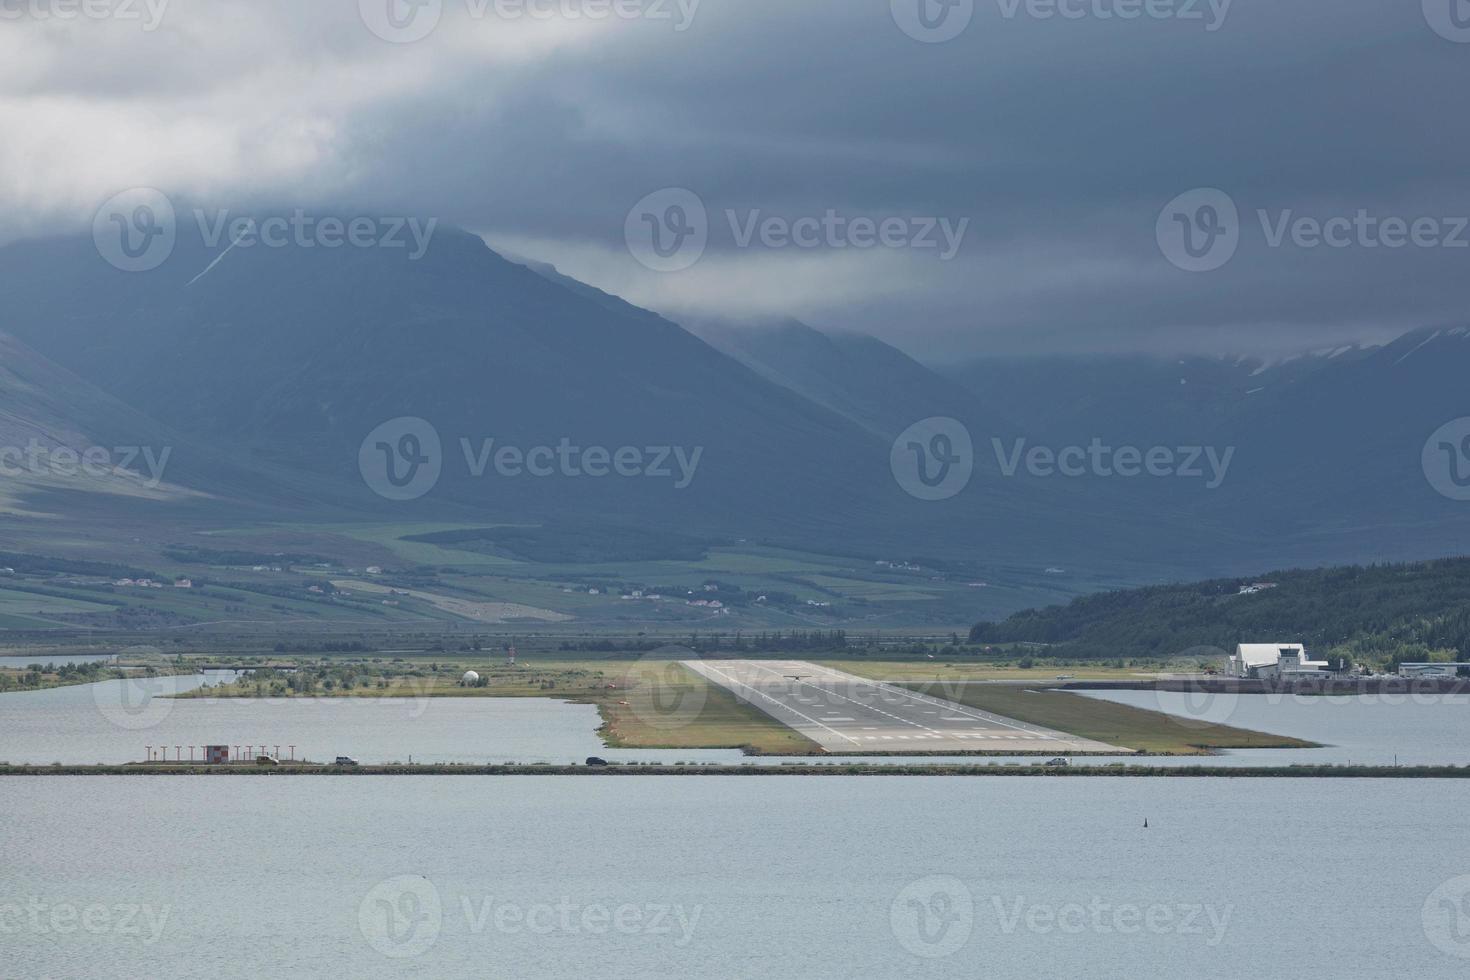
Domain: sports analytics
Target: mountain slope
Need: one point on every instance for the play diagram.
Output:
(61, 435)
(278, 366)
(861, 378)
(293, 356)
(299, 354)
(1137, 396)
(1326, 449)
(1410, 611)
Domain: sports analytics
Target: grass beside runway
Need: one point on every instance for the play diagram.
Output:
(1153, 732)
(671, 707)
(916, 671)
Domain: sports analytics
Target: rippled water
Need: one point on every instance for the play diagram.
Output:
(773, 877)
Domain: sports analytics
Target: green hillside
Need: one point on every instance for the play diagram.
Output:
(1375, 614)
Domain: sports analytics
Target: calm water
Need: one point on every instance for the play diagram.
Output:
(732, 877)
(1376, 729)
(115, 721)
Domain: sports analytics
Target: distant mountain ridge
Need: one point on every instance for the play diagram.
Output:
(272, 367)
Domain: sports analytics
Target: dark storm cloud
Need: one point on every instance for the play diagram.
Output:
(1058, 139)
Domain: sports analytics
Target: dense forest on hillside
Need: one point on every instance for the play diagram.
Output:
(1370, 614)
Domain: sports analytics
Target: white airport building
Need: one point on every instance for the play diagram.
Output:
(1271, 661)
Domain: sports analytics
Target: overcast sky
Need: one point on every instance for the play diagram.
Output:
(1018, 165)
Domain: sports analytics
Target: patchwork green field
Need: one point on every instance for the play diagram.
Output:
(273, 576)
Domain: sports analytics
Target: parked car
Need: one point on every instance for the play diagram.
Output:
(593, 760)
(345, 760)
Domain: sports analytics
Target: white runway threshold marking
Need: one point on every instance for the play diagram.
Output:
(874, 712)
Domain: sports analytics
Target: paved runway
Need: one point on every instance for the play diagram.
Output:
(850, 714)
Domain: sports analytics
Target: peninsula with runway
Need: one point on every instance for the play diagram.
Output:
(778, 707)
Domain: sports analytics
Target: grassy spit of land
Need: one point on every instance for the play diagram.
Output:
(1152, 732)
(42, 675)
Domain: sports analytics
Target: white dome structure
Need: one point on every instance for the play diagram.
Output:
(470, 679)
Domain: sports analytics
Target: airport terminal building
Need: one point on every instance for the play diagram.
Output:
(1272, 661)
